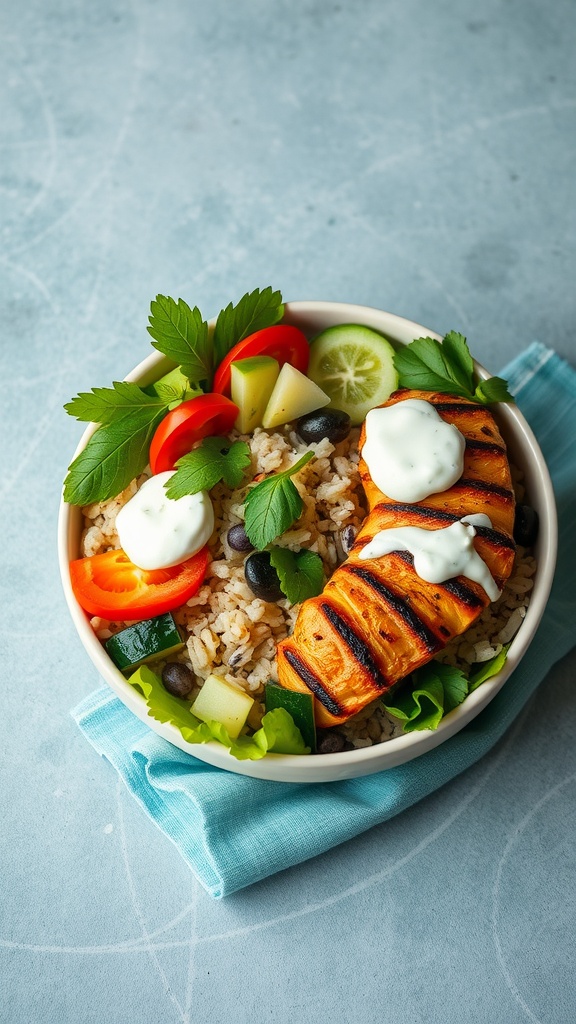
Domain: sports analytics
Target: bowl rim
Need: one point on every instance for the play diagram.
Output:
(311, 768)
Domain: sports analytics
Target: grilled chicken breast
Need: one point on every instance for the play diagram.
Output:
(377, 620)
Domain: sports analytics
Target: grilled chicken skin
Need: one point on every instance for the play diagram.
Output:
(377, 620)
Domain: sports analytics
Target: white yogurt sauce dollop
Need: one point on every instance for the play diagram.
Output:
(157, 532)
(439, 555)
(411, 451)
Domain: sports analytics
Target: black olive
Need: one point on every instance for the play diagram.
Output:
(329, 741)
(261, 577)
(330, 423)
(525, 525)
(178, 679)
(238, 538)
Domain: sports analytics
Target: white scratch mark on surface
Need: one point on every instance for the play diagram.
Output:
(461, 132)
(33, 278)
(149, 941)
(28, 451)
(513, 839)
(191, 975)
(149, 947)
(114, 151)
(52, 162)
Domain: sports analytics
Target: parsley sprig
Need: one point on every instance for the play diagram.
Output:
(118, 450)
(127, 415)
(447, 366)
(181, 334)
(301, 573)
(257, 309)
(214, 460)
(273, 505)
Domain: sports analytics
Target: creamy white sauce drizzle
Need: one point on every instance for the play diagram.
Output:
(411, 451)
(439, 555)
(156, 531)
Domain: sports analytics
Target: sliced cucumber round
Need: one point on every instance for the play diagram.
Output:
(354, 365)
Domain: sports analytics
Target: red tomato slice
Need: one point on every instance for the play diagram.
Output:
(110, 585)
(203, 416)
(283, 342)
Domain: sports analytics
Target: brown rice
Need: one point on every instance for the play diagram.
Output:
(232, 633)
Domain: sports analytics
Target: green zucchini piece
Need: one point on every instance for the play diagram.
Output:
(144, 641)
(299, 705)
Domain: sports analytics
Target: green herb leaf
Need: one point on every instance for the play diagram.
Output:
(277, 732)
(417, 708)
(487, 669)
(108, 405)
(432, 692)
(424, 365)
(172, 395)
(273, 505)
(495, 389)
(173, 387)
(182, 335)
(453, 680)
(447, 367)
(114, 455)
(214, 460)
(458, 358)
(301, 573)
(254, 311)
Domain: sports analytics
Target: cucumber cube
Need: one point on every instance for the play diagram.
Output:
(252, 383)
(294, 395)
(219, 701)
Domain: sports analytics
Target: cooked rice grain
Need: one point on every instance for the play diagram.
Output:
(233, 634)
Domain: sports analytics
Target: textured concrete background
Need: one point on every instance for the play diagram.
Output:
(414, 156)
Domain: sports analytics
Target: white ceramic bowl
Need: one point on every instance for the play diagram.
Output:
(313, 317)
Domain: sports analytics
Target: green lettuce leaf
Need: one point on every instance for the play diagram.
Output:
(435, 690)
(278, 734)
(487, 669)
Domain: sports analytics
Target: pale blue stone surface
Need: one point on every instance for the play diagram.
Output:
(418, 157)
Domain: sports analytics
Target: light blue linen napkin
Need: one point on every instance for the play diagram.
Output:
(234, 830)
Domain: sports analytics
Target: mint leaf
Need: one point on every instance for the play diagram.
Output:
(254, 311)
(273, 505)
(488, 668)
(182, 335)
(106, 405)
(214, 460)
(301, 573)
(114, 455)
(433, 691)
(495, 389)
(447, 367)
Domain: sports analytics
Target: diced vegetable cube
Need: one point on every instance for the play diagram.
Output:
(219, 701)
